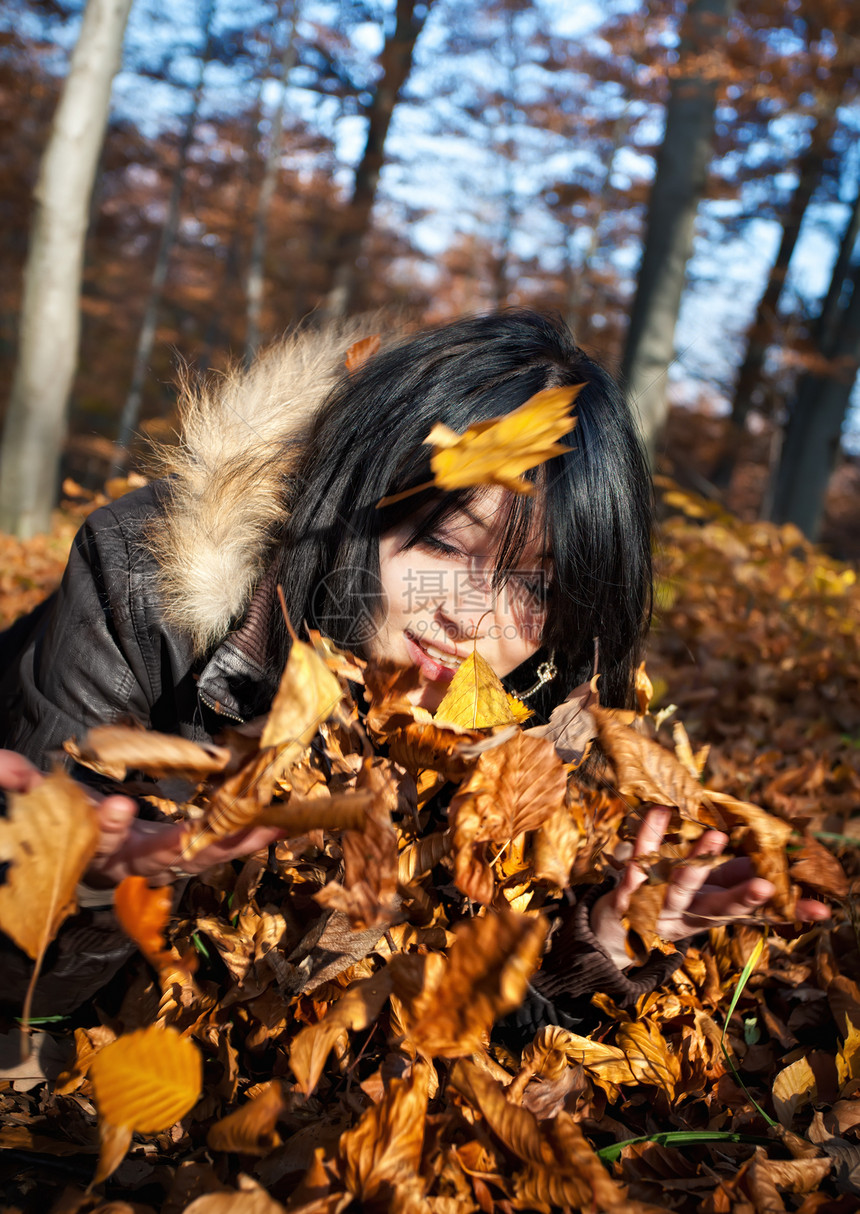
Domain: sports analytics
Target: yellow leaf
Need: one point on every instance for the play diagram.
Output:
(499, 451)
(793, 1087)
(48, 839)
(147, 1079)
(476, 698)
(848, 1055)
(648, 1055)
(143, 1082)
(307, 696)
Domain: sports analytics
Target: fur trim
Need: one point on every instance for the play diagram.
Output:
(239, 435)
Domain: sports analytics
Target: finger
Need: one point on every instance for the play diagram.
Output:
(116, 815)
(733, 872)
(684, 884)
(652, 830)
(18, 774)
(734, 903)
(688, 879)
(711, 843)
(812, 911)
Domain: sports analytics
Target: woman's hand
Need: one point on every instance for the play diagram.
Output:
(131, 847)
(698, 897)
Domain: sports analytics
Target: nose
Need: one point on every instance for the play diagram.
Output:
(458, 626)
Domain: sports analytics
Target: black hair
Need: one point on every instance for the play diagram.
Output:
(368, 442)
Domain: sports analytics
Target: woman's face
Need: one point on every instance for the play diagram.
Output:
(440, 597)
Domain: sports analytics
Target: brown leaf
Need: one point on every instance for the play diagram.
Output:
(113, 750)
(571, 727)
(556, 845)
(308, 694)
(355, 1010)
(486, 975)
(48, 839)
(255, 1202)
(764, 839)
(251, 1128)
(367, 894)
(814, 865)
(384, 1150)
(645, 770)
(563, 1171)
(421, 745)
(514, 787)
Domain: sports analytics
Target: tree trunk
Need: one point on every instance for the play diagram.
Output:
(761, 331)
(815, 424)
(146, 337)
(679, 183)
(256, 280)
(396, 63)
(50, 314)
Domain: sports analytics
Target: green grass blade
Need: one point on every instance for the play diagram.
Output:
(679, 1138)
(739, 989)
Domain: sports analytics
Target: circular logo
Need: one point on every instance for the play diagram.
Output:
(349, 606)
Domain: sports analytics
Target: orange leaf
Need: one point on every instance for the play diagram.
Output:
(356, 1009)
(360, 351)
(143, 914)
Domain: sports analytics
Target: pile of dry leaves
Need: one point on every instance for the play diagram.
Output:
(314, 1030)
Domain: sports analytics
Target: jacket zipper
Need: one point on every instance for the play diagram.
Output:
(219, 710)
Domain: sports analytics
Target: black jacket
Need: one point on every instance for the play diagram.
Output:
(100, 651)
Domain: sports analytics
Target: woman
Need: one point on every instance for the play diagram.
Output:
(168, 610)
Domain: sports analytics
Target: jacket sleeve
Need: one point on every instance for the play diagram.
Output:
(92, 659)
(577, 967)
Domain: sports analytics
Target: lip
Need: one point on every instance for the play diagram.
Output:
(430, 668)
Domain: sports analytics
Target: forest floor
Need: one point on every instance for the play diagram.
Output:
(377, 1085)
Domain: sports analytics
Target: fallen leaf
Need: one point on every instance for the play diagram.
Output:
(475, 698)
(48, 839)
(571, 727)
(143, 913)
(114, 750)
(817, 867)
(308, 694)
(486, 975)
(792, 1089)
(383, 1152)
(251, 1128)
(368, 891)
(648, 1055)
(355, 1010)
(644, 769)
(143, 1082)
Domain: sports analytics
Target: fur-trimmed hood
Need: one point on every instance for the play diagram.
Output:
(239, 434)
